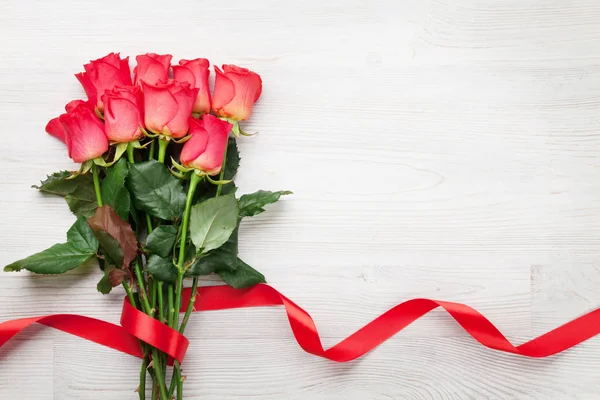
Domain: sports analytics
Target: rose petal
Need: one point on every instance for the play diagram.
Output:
(55, 128)
(224, 91)
(185, 98)
(211, 160)
(196, 145)
(160, 107)
(85, 134)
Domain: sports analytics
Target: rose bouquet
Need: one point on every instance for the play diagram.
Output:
(154, 196)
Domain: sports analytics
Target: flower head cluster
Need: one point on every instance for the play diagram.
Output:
(160, 100)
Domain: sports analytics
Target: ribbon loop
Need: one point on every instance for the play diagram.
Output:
(153, 332)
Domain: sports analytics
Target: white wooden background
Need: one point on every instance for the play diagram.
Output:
(436, 148)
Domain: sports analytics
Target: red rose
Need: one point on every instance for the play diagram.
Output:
(81, 130)
(205, 150)
(152, 68)
(102, 75)
(236, 91)
(123, 114)
(55, 128)
(167, 107)
(195, 72)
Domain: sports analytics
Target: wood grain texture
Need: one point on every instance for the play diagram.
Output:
(436, 148)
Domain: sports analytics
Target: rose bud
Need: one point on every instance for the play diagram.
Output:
(152, 68)
(236, 91)
(82, 131)
(102, 75)
(195, 72)
(206, 148)
(167, 107)
(123, 114)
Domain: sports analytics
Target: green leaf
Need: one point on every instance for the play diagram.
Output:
(232, 162)
(115, 236)
(114, 192)
(104, 286)
(155, 190)
(82, 201)
(81, 236)
(79, 191)
(212, 222)
(111, 248)
(252, 204)
(222, 259)
(161, 240)
(244, 276)
(60, 258)
(162, 268)
(58, 184)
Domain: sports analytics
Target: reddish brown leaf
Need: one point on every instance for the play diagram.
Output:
(106, 222)
(116, 276)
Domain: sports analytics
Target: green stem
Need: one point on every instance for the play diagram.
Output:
(130, 150)
(194, 180)
(154, 391)
(129, 293)
(175, 378)
(152, 150)
(179, 383)
(149, 223)
(142, 388)
(170, 305)
(153, 292)
(158, 373)
(222, 174)
(177, 307)
(161, 305)
(97, 185)
(190, 306)
(162, 150)
(142, 289)
(142, 392)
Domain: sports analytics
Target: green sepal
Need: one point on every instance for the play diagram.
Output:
(83, 169)
(178, 175)
(137, 145)
(237, 130)
(180, 167)
(182, 140)
(148, 134)
(218, 182)
(120, 149)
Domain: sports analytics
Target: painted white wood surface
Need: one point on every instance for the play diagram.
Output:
(436, 148)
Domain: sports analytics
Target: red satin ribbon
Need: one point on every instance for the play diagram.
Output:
(136, 325)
